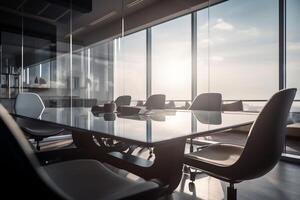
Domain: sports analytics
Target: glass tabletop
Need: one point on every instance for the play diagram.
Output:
(152, 127)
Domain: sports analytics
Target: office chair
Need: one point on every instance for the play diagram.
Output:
(123, 100)
(265, 143)
(76, 179)
(155, 101)
(234, 106)
(208, 102)
(170, 105)
(32, 106)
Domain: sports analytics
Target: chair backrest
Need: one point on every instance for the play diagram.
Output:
(139, 103)
(208, 102)
(234, 106)
(170, 105)
(266, 138)
(29, 105)
(123, 100)
(156, 101)
(23, 173)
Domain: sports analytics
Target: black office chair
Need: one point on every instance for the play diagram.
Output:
(31, 105)
(155, 101)
(123, 100)
(77, 179)
(262, 151)
(234, 106)
(208, 102)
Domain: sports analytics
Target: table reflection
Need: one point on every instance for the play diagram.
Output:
(155, 126)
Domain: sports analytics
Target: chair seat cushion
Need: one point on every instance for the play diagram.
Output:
(42, 131)
(90, 179)
(217, 154)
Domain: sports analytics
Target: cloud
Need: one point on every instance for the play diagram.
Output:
(251, 31)
(222, 25)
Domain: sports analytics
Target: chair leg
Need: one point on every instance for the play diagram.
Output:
(231, 192)
(193, 174)
(38, 145)
(186, 169)
(191, 146)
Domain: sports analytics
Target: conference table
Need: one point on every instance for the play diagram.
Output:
(108, 136)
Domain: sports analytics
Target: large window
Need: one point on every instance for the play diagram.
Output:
(92, 72)
(238, 49)
(130, 66)
(171, 58)
(293, 45)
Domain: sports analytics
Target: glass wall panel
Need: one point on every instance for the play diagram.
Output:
(241, 40)
(130, 66)
(171, 59)
(293, 44)
(293, 71)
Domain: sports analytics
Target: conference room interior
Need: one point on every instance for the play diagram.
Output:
(150, 99)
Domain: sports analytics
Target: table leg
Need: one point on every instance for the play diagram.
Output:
(166, 167)
(168, 163)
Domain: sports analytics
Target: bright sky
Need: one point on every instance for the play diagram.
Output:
(237, 53)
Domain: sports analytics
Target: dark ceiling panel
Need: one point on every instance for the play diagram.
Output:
(34, 6)
(54, 11)
(79, 5)
(12, 4)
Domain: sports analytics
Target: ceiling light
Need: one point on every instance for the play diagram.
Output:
(134, 3)
(105, 17)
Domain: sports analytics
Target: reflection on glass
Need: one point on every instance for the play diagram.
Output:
(211, 117)
(293, 44)
(171, 59)
(92, 75)
(292, 72)
(153, 127)
(130, 66)
(240, 39)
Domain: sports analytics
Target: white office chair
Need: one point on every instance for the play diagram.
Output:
(31, 105)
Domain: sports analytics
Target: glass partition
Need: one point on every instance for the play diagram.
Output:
(238, 49)
(130, 66)
(87, 54)
(292, 73)
(171, 59)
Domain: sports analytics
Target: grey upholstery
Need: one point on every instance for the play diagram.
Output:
(32, 106)
(90, 179)
(38, 130)
(263, 148)
(123, 100)
(78, 179)
(219, 154)
(29, 105)
(234, 106)
(208, 102)
(156, 101)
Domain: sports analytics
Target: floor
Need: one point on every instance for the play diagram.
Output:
(282, 183)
